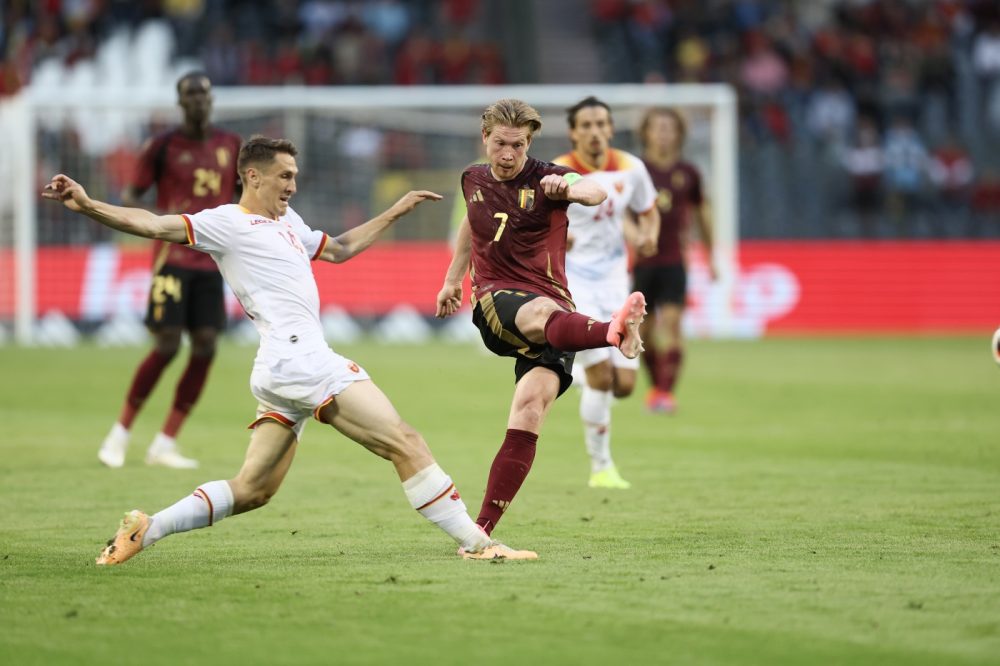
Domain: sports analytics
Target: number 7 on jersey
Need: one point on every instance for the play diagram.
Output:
(503, 223)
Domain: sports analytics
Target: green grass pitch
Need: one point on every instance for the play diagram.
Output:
(815, 501)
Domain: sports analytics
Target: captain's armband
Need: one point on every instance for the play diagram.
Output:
(571, 177)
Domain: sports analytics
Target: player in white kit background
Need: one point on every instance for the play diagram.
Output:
(597, 268)
(264, 250)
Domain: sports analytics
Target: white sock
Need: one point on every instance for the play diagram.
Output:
(434, 496)
(595, 410)
(207, 505)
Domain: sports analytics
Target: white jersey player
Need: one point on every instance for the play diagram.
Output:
(597, 268)
(267, 264)
(264, 250)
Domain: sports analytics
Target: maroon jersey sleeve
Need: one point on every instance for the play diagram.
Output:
(150, 162)
(518, 234)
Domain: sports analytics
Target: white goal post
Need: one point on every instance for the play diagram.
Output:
(340, 125)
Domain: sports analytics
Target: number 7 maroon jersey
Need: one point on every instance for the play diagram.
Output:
(518, 234)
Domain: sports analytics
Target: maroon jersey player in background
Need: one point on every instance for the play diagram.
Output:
(514, 235)
(193, 168)
(662, 277)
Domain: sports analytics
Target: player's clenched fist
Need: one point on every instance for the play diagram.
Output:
(68, 191)
(555, 187)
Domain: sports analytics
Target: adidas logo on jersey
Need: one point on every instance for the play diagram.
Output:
(477, 197)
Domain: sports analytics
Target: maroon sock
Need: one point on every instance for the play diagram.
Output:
(510, 467)
(572, 331)
(188, 389)
(668, 369)
(650, 359)
(146, 376)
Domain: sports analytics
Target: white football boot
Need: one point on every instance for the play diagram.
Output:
(163, 451)
(112, 451)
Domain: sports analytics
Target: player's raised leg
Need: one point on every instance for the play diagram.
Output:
(272, 448)
(542, 321)
(363, 413)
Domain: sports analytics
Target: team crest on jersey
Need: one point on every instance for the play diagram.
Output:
(619, 186)
(664, 200)
(678, 180)
(526, 198)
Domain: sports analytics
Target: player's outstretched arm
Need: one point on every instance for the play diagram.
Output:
(706, 228)
(354, 241)
(449, 299)
(571, 187)
(648, 232)
(135, 221)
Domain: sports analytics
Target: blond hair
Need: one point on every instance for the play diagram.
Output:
(511, 113)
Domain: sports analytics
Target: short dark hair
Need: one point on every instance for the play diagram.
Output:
(259, 149)
(196, 74)
(584, 103)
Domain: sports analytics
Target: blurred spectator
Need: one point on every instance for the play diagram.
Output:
(985, 202)
(986, 60)
(763, 73)
(830, 113)
(864, 163)
(221, 55)
(416, 62)
(906, 164)
(952, 174)
(693, 56)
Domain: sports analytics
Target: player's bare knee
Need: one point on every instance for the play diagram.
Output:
(412, 443)
(532, 317)
(600, 377)
(623, 389)
(203, 342)
(249, 496)
(530, 413)
(167, 341)
(396, 444)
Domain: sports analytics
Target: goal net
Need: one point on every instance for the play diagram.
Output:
(360, 149)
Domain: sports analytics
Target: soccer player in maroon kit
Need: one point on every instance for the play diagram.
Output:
(662, 277)
(514, 235)
(193, 168)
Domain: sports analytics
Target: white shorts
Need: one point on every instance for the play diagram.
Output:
(600, 300)
(290, 390)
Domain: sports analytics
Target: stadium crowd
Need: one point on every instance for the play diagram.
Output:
(902, 99)
(241, 42)
(887, 113)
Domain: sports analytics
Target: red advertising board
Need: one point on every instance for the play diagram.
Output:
(784, 287)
